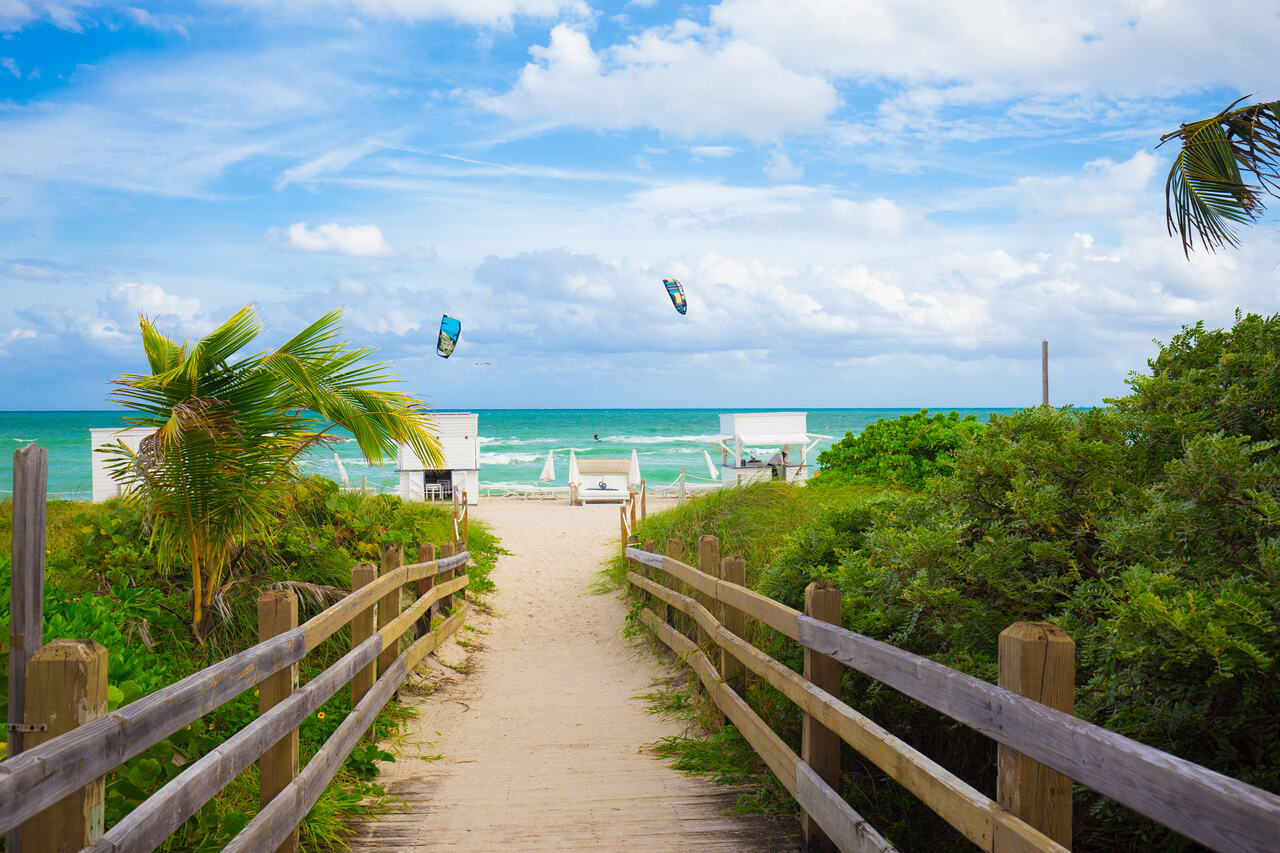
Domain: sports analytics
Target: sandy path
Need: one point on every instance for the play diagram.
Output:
(542, 740)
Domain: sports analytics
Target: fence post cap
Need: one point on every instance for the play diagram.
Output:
(1045, 632)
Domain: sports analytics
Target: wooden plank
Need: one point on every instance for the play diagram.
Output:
(776, 754)
(66, 688)
(39, 777)
(324, 625)
(1228, 815)
(777, 616)
(156, 818)
(646, 556)
(427, 644)
(847, 830)
(364, 575)
(389, 605)
(427, 568)
(277, 613)
(820, 748)
(392, 632)
(1037, 660)
(974, 815)
(273, 823)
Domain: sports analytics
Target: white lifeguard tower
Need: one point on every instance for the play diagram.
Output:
(460, 471)
(105, 486)
(764, 446)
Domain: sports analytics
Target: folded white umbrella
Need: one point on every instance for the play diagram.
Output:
(342, 472)
(634, 475)
(575, 478)
(549, 469)
(715, 475)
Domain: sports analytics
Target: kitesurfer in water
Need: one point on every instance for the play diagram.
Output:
(597, 436)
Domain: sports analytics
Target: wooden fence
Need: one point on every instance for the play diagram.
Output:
(1042, 748)
(54, 789)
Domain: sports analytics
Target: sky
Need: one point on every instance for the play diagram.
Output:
(871, 203)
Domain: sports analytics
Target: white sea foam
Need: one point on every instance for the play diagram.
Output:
(508, 458)
(657, 439)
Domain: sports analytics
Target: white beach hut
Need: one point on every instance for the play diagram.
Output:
(765, 446)
(460, 471)
(106, 487)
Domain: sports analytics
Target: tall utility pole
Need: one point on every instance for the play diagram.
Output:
(1044, 371)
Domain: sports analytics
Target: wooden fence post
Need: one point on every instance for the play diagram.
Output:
(733, 570)
(708, 563)
(631, 504)
(426, 554)
(1037, 660)
(26, 592)
(66, 688)
(820, 747)
(278, 766)
(446, 550)
(650, 545)
(644, 504)
(389, 604)
(466, 519)
(361, 630)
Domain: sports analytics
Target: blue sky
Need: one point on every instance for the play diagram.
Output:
(870, 202)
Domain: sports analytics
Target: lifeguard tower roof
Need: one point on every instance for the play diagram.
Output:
(770, 429)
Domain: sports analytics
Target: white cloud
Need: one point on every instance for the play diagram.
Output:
(152, 301)
(493, 13)
(338, 239)
(8, 63)
(684, 83)
(713, 151)
(780, 167)
(987, 50)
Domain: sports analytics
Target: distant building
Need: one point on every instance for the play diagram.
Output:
(460, 443)
(105, 486)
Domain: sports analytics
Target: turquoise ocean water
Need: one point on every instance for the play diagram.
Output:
(514, 443)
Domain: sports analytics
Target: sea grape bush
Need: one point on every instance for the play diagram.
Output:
(909, 450)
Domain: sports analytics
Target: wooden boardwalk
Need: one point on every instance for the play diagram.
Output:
(541, 745)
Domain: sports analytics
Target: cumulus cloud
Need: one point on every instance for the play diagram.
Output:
(364, 240)
(984, 50)
(685, 83)
(132, 298)
(780, 167)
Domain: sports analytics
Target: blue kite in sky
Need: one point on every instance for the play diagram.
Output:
(450, 329)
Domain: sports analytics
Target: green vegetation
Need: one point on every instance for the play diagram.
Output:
(908, 451)
(219, 466)
(106, 582)
(1148, 529)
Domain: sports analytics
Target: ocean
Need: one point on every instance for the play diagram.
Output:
(514, 443)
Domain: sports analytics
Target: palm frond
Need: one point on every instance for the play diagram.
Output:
(1226, 166)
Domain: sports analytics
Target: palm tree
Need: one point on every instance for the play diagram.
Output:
(1208, 190)
(228, 433)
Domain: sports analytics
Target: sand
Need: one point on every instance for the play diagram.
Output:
(540, 745)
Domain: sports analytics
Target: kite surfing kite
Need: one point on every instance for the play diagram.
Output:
(676, 292)
(450, 328)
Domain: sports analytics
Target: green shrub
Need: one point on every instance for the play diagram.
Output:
(909, 450)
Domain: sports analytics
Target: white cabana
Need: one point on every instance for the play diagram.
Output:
(596, 479)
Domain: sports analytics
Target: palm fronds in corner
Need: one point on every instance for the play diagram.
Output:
(1226, 166)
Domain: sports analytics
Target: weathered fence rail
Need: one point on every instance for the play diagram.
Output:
(41, 777)
(1217, 811)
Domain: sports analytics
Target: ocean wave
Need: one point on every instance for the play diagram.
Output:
(509, 458)
(657, 439)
